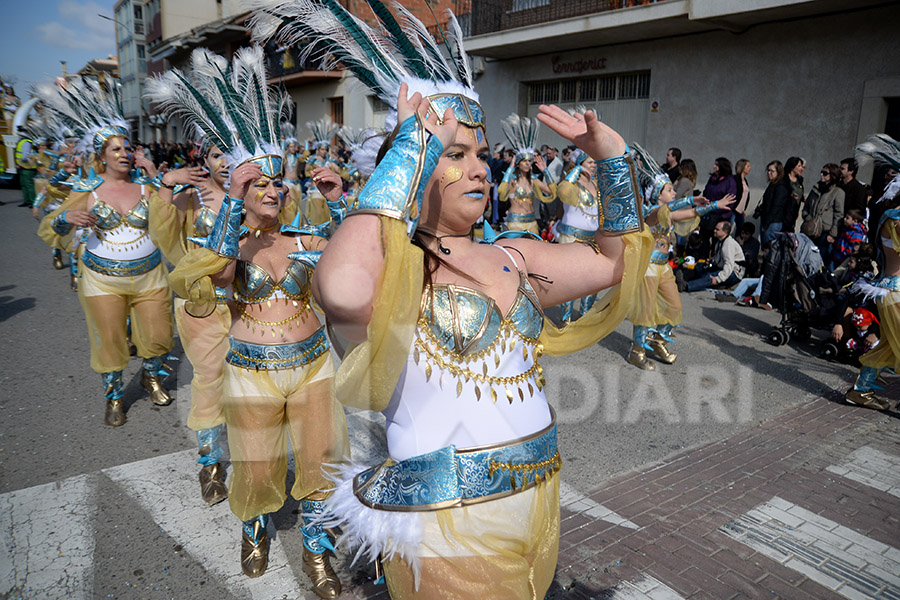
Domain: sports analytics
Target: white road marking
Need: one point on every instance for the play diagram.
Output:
(573, 500)
(644, 587)
(167, 488)
(47, 539)
(849, 563)
(871, 467)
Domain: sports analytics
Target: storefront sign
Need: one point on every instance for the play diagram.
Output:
(578, 66)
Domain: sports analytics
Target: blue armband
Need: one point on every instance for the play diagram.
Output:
(509, 175)
(573, 175)
(397, 185)
(618, 190)
(686, 202)
(703, 210)
(60, 176)
(60, 225)
(226, 231)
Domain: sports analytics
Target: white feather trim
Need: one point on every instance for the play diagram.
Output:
(869, 291)
(372, 532)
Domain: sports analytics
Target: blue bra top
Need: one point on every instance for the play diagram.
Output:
(465, 321)
(109, 218)
(253, 284)
(523, 194)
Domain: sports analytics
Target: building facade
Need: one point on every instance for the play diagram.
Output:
(761, 80)
(131, 45)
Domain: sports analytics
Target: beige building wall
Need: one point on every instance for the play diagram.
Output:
(812, 87)
(179, 16)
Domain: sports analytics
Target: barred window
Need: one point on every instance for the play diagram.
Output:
(379, 105)
(568, 90)
(628, 86)
(587, 90)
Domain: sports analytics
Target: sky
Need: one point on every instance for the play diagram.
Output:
(37, 34)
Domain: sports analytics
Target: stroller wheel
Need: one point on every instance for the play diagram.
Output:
(830, 351)
(777, 337)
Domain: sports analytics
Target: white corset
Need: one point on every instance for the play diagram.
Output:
(121, 243)
(581, 217)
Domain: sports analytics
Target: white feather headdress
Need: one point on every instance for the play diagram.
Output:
(90, 110)
(884, 149)
(521, 133)
(363, 145)
(229, 101)
(323, 131)
(381, 57)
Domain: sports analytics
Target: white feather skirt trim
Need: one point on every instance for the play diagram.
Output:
(372, 532)
(871, 292)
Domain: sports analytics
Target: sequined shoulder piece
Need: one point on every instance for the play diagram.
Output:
(87, 184)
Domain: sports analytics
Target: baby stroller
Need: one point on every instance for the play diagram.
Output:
(790, 267)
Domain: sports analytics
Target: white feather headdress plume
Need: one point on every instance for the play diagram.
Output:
(323, 131)
(884, 149)
(363, 145)
(396, 51)
(90, 110)
(652, 177)
(521, 133)
(288, 133)
(229, 101)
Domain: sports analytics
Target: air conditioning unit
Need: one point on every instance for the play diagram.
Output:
(478, 66)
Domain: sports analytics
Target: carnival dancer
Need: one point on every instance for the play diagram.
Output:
(521, 184)
(449, 331)
(886, 290)
(658, 308)
(278, 370)
(292, 164)
(121, 271)
(580, 221)
(316, 210)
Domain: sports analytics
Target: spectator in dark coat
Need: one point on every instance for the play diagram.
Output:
(750, 246)
(772, 209)
(720, 184)
(793, 179)
(671, 166)
(855, 193)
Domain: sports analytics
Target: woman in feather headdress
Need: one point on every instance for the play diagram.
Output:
(449, 331)
(523, 184)
(315, 210)
(277, 376)
(120, 269)
(886, 290)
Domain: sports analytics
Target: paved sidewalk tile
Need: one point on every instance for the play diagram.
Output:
(802, 506)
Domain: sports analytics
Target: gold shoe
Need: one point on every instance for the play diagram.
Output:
(73, 282)
(158, 395)
(867, 399)
(57, 262)
(318, 567)
(255, 555)
(638, 357)
(661, 352)
(212, 484)
(115, 412)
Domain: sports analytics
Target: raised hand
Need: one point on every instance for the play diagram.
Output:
(445, 131)
(591, 135)
(725, 200)
(328, 183)
(241, 179)
(186, 176)
(539, 162)
(80, 218)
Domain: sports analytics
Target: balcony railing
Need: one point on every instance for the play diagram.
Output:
(491, 16)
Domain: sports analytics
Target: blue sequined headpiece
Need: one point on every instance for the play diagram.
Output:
(271, 165)
(108, 132)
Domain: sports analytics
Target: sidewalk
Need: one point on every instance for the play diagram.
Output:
(804, 506)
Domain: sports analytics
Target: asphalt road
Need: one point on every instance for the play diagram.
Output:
(139, 538)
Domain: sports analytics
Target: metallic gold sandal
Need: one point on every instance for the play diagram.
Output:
(158, 395)
(115, 412)
(255, 554)
(57, 262)
(660, 350)
(638, 357)
(318, 567)
(867, 399)
(212, 484)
